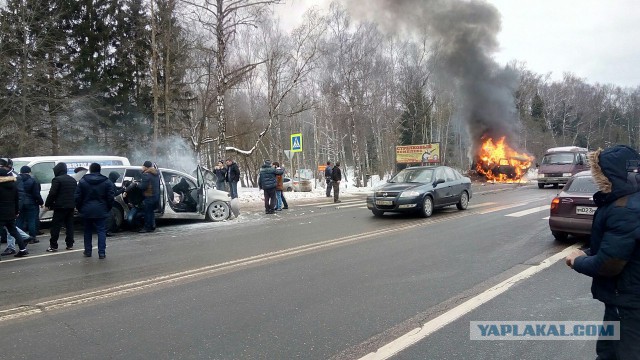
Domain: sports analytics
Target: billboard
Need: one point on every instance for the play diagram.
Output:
(418, 154)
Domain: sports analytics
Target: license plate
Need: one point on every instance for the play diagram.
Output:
(384, 202)
(585, 210)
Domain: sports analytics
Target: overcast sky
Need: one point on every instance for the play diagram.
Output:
(598, 40)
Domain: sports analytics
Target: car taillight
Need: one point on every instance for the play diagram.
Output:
(554, 204)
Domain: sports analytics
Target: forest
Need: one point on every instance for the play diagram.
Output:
(186, 82)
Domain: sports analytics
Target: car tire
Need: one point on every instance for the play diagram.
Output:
(289, 189)
(377, 213)
(560, 236)
(117, 219)
(427, 207)
(218, 211)
(464, 201)
(540, 186)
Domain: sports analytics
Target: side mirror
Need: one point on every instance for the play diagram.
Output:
(439, 181)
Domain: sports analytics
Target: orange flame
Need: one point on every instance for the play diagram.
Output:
(499, 162)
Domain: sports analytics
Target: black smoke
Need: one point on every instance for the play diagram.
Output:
(464, 34)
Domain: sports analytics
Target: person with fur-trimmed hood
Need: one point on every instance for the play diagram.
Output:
(150, 184)
(613, 260)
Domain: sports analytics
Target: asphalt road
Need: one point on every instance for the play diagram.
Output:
(319, 281)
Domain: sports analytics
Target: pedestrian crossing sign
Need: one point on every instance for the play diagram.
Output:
(296, 143)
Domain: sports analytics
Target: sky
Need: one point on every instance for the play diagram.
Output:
(597, 40)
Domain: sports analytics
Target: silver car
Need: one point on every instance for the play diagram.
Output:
(196, 199)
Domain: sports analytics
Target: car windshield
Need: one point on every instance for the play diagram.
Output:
(413, 175)
(582, 184)
(558, 159)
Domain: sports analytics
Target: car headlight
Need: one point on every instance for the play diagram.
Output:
(540, 176)
(409, 193)
(566, 174)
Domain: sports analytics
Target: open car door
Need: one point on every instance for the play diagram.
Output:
(202, 191)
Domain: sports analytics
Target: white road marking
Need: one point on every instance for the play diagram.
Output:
(529, 211)
(342, 203)
(417, 334)
(499, 208)
(359, 203)
(480, 205)
(546, 218)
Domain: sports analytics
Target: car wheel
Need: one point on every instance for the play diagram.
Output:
(540, 186)
(377, 213)
(427, 207)
(218, 211)
(560, 236)
(117, 218)
(289, 189)
(464, 201)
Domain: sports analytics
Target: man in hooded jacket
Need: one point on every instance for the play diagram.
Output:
(613, 260)
(94, 200)
(31, 202)
(61, 200)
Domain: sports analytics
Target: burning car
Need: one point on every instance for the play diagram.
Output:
(499, 162)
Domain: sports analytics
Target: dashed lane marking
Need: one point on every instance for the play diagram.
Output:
(529, 211)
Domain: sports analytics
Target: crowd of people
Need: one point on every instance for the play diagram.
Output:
(92, 196)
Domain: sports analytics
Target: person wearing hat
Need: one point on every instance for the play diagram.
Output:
(150, 184)
(267, 182)
(31, 203)
(61, 200)
(94, 200)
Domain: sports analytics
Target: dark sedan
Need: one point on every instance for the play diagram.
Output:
(572, 210)
(421, 189)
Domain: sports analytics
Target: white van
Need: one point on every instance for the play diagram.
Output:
(42, 169)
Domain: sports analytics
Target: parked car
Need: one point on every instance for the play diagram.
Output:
(572, 210)
(287, 184)
(421, 189)
(199, 201)
(302, 185)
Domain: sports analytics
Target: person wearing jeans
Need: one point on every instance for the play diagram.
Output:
(94, 200)
(11, 241)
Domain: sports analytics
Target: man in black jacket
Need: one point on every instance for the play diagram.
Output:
(336, 177)
(94, 200)
(31, 203)
(233, 176)
(327, 177)
(150, 184)
(61, 200)
(9, 204)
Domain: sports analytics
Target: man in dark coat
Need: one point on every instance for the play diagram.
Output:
(233, 176)
(221, 174)
(31, 203)
(613, 260)
(94, 200)
(327, 177)
(9, 205)
(336, 177)
(150, 185)
(61, 200)
(267, 182)
(20, 186)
